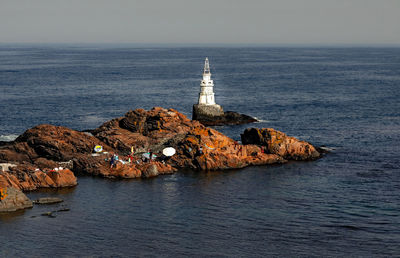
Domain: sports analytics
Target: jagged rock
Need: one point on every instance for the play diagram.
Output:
(100, 166)
(13, 199)
(160, 128)
(150, 171)
(26, 177)
(56, 143)
(279, 143)
(41, 149)
(63, 209)
(48, 200)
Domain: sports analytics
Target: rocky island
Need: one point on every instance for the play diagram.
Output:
(48, 156)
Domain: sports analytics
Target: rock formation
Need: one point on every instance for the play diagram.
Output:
(207, 118)
(198, 147)
(13, 200)
(44, 147)
(48, 156)
(48, 200)
(279, 143)
(27, 177)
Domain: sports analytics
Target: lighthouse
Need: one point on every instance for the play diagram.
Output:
(206, 109)
(206, 95)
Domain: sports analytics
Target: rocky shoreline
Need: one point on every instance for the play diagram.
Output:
(48, 156)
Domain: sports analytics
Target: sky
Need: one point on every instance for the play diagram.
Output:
(366, 22)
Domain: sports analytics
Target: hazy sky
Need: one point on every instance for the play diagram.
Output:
(207, 21)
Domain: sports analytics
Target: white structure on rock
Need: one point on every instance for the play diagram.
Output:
(206, 95)
(207, 112)
(206, 108)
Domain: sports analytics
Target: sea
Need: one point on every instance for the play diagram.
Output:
(346, 204)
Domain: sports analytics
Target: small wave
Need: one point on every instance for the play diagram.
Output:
(372, 173)
(327, 148)
(348, 227)
(92, 119)
(8, 137)
(261, 120)
(301, 137)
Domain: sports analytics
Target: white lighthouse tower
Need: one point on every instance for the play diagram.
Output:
(206, 109)
(206, 95)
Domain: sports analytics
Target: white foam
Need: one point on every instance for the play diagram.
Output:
(88, 133)
(328, 148)
(8, 137)
(301, 137)
(93, 119)
(261, 120)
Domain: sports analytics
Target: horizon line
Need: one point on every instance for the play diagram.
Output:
(175, 44)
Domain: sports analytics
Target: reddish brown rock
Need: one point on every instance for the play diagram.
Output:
(279, 143)
(48, 146)
(56, 143)
(41, 149)
(163, 168)
(198, 147)
(27, 178)
(144, 130)
(62, 178)
(100, 166)
(45, 147)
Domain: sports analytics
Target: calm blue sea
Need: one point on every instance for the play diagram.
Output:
(346, 204)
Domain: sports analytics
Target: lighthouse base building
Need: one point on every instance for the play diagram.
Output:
(205, 112)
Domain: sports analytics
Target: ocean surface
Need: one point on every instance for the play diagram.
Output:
(345, 204)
